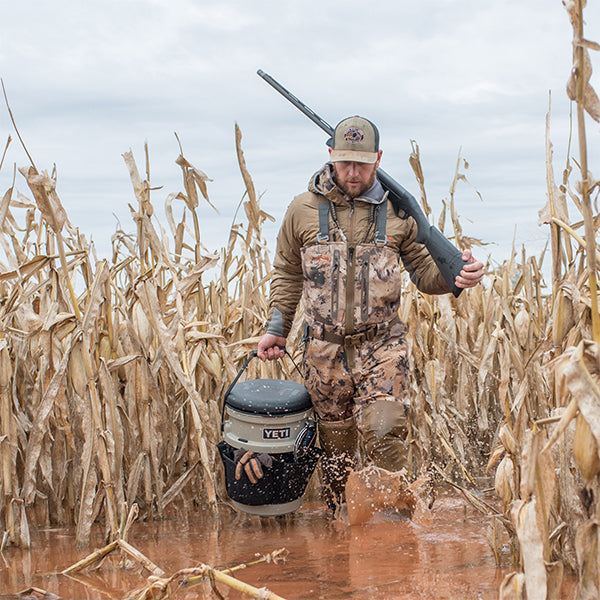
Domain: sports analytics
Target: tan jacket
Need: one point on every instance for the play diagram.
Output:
(300, 229)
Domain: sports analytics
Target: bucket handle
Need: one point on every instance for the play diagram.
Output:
(228, 391)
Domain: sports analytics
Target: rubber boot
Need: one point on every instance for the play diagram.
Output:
(339, 442)
(384, 428)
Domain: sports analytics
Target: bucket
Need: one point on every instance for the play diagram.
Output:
(270, 416)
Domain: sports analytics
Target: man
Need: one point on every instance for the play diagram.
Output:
(342, 246)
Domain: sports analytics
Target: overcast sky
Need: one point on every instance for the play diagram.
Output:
(89, 81)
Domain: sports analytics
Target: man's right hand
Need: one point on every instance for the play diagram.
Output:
(271, 347)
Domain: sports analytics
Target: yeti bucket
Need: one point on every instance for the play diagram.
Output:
(274, 417)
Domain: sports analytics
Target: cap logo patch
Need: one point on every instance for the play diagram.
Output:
(354, 135)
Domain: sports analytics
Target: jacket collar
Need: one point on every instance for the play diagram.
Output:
(323, 183)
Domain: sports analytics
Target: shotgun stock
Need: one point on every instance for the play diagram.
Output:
(445, 255)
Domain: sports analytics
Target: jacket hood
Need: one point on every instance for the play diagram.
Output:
(323, 183)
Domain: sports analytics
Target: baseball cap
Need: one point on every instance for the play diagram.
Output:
(355, 139)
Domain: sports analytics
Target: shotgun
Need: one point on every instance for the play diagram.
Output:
(445, 255)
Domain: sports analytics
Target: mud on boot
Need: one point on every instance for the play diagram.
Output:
(375, 490)
(339, 442)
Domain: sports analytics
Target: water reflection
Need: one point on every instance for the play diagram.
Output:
(384, 558)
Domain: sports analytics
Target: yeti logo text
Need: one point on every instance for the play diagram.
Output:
(276, 433)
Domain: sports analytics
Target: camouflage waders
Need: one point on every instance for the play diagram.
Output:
(356, 358)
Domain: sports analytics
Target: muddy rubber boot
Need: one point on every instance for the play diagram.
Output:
(384, 427)
(384, 486)
(339, 441)
(375, 490)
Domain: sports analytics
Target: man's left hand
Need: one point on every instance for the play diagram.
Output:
(471, 274)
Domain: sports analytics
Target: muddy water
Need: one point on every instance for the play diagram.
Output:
(448, 557)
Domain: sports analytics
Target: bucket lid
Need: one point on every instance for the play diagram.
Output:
(269, 397)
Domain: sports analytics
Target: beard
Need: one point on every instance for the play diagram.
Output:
(354, 191)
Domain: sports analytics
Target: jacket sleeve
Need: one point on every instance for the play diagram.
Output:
(418, 262)
(286, 283)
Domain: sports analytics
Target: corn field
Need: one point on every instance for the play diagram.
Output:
(112, 371)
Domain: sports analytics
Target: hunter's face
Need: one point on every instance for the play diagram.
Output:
(354, 178)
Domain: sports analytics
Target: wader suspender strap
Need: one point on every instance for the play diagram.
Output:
(380, 235)
(380, 225)
(323, 235)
